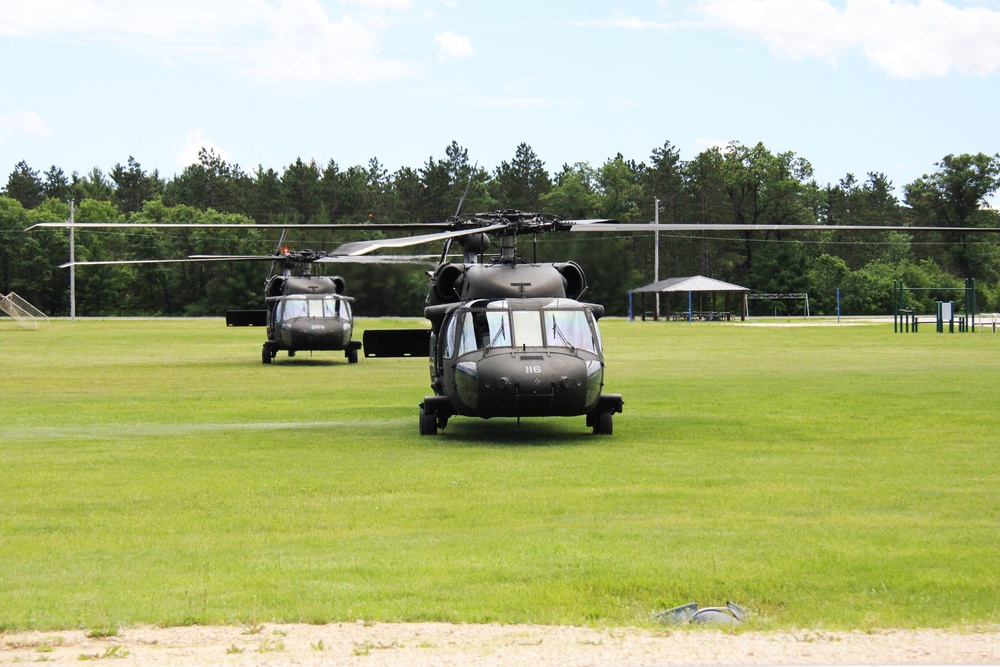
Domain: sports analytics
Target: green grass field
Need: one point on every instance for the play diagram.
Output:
(826, 477)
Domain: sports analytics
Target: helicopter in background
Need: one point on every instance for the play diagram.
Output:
(508, 337)
(304, 312)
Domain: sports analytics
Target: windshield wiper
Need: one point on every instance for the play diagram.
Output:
(556, 331)
(500, 333)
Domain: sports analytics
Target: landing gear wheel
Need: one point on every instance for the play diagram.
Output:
(266, 355)
(428, 422)
(352, 356)
(603, 424)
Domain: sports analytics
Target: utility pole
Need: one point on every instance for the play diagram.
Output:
(72, 263)
(656, 251)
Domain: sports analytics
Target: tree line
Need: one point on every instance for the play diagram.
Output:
(734, 184)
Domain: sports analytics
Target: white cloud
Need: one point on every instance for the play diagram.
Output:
(622, 20)
(277, 39)
(381, 4)
(452, 46)
(191, 145)
(926, 38)
(304, 43)
(26, 122)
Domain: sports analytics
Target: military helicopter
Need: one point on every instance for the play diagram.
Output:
(508, 337)
(303, 311)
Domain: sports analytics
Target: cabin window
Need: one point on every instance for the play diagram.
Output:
(527, 328)
(484, 329)
(569, 328)
(294, 308)
(499, 329)
(334, 307)
(449, 337)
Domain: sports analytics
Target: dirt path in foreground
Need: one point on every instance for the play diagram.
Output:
(419, 644)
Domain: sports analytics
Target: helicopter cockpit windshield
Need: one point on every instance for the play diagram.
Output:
(315, 307)
(559, 324)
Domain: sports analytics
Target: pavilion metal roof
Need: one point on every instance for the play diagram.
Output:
(691, 284)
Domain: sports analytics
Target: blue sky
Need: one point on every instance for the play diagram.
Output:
(855, 86)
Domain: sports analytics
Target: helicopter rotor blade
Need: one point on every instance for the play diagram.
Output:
(321, 259)
(724, 227)
(374, 226)
(587, 225)
(364, 247)
(429, 260)
(111, 262)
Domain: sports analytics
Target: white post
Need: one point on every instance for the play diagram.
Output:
(72, 261)
(656, 252)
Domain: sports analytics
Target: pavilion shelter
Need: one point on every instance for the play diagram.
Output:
(700, 298)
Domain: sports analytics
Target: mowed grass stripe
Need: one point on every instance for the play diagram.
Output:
(157, 472)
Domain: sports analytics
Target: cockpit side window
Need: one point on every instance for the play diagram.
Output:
(482, 329)
(293, 308)
(467, 336)
(449, 337)
(570, 328)
(338, 308)
(499, 328)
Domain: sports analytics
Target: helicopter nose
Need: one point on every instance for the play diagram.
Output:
(313, 336)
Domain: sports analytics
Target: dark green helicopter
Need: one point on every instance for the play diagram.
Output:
(303, 312)
(509, 337)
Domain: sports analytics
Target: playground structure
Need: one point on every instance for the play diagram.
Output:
(23, 313)
(796, 296)
(906, 319)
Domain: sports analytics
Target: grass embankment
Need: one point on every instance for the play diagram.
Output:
(837, 477)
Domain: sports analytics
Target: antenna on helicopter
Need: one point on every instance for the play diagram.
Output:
(465, 194)
(458, 210)
(277, 250)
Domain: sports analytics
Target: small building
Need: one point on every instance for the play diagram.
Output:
(700, 299)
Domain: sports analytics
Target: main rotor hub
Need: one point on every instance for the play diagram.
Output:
(517, 222)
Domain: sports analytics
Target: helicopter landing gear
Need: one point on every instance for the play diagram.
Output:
(268, 354)
(601, 416)
(603, 424)
(434, 414)
(428, 423)
(352, 352)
